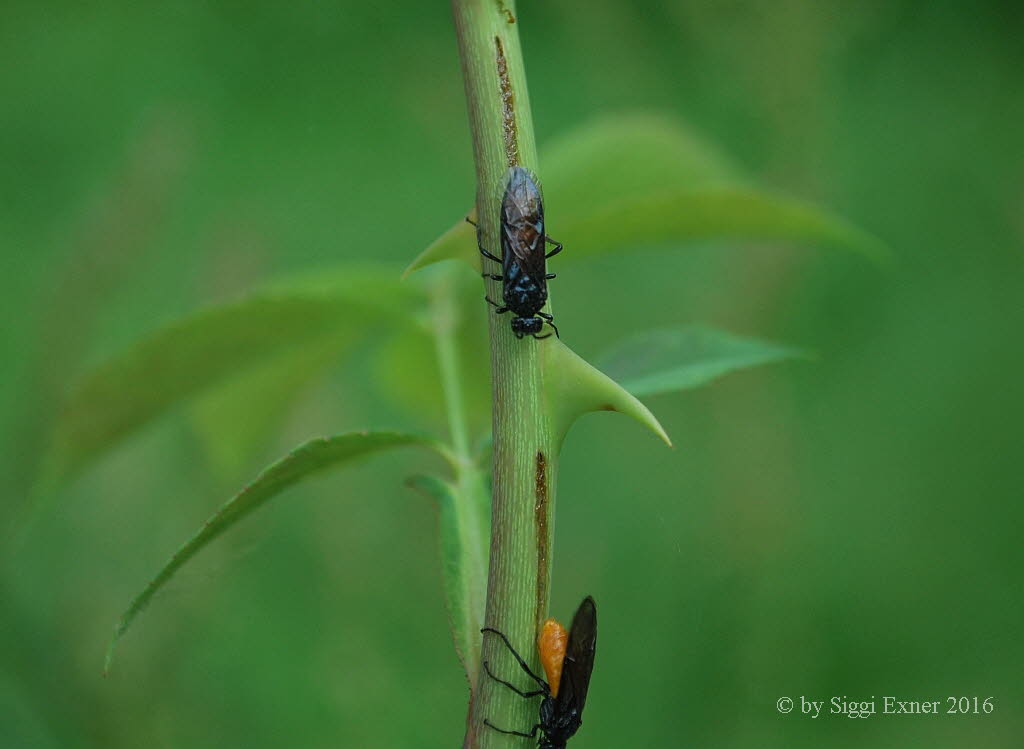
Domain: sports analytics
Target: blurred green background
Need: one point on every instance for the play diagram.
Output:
(845, 527)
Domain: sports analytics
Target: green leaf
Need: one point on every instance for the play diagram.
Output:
(572, 387)
(631, 180)
(716, 213)
(624, 157)
(636, 180)
(183, 359)
(458, 243)
(236, 419)
(672, 359)
(463, 560)
(308, 459)
(405, 365)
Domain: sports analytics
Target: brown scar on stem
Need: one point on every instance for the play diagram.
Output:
(508, 106)
(540, 516)
(508, 14)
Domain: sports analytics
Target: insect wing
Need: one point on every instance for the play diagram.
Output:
(522, 222)
(579, 659)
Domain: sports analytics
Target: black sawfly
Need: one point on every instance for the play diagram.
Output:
(568, 666)
(523, 260)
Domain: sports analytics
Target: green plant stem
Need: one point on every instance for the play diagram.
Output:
(469, 491)
(525, 454)
(444, 318)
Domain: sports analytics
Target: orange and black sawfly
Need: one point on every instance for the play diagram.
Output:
(568, 660)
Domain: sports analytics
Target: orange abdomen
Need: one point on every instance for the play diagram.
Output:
(551, 645)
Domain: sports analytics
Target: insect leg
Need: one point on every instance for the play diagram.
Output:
(483, 250)
(511, 686)
(488, 255)
(549, 276)
(558, 246)
(531, 735)
(548, 319)
(522, 663)
(485, 274)
(501, 310)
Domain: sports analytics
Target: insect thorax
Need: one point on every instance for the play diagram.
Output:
(526, 298)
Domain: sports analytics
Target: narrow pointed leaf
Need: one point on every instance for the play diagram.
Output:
(673, 359)
(464, 566)
(714, 213)
(572, 387)
(315, 456)
(458, 243)
(627, 181)
(184, 358)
